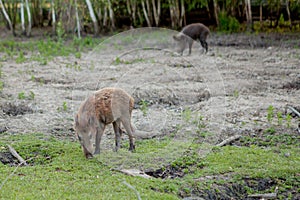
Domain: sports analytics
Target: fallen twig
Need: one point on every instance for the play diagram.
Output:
(133, 172)
(265, 196)
(294, 110)
(16, 155)
(228, 140)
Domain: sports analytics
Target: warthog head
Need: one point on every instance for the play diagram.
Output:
(85, 131)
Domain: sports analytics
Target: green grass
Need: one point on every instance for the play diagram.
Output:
(58, 170)
(45, 50)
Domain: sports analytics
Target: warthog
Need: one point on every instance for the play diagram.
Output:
(190, 33)
(108, 105)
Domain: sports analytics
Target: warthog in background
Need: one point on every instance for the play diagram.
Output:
(190, 33)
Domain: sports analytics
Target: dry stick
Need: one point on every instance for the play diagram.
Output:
(132, 172)
(228, 140)
(294, 110)
(266, 195)
(16, 155)
(131, 187)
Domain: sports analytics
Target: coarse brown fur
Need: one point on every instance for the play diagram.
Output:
(191, 32)
(108, 105)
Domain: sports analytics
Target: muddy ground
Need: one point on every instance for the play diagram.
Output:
(226, 92)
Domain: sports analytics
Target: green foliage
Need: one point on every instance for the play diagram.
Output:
(63, 108)
(1, 86)
(21, 95)
(187, 114)
(21, 58)
(189, 158)
(1, 82)
(279, 118)
(30, 96)
(117, 61)
(60, 31)
(253, 160)
(128, 62)
(228, 24)
(196, 4)
(58, 170)
(45, 50)
(288, 120)
(270, 114)
(144, 106)
(56, 167)
(235, 93)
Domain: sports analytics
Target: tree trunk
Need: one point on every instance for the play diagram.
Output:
(139, 15)
(248, 14)
(29, 19)
(111, 15)
(133, 4)
(177, 13)
(216, 13)
(172, 14)
(288, 12)
(277, 14)
(100, 16)
(93, 17)
(105, 17)
(149, 12)
(22, 17)
(77, 20)
(146, 14)
(53, 17)
(261, 14)
(7, 18)
(131, 8)
(182, 16)
(156, 11)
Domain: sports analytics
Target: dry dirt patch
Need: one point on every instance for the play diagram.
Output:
(230, 88)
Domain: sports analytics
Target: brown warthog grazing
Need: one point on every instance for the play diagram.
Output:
(190, 33)
(108, 105)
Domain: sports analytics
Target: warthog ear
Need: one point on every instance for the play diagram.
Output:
(175, 37)
(178, 37)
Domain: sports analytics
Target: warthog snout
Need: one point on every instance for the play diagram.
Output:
(87, 153)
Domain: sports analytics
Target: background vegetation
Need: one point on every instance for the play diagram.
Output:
(100, 16)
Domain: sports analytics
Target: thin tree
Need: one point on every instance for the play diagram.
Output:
(156, 11)
(29, 18)
(146, 13)
(216, 13)
(111, 15)
(177, 13)
(7, 18)
(22, 17)
(131, 8)
(93, 17)
(248, 14)
(261, 13)
(53, 17)
(288, 12)
(77, 20)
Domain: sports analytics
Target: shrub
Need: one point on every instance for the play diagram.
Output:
(228, 23)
